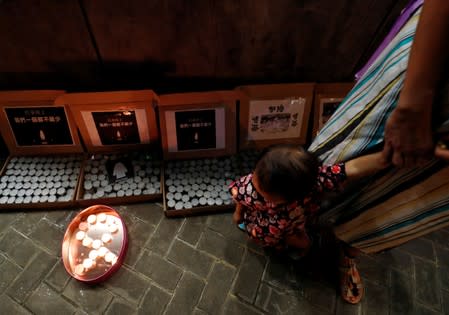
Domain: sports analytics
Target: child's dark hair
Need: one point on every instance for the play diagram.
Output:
(287, 171)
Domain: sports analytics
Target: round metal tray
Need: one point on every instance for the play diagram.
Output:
(94, 244)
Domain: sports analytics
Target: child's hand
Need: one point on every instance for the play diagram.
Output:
(237, 216)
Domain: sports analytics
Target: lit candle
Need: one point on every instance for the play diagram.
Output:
(87, 242)
(110, 220)
(110, 258)
(106, 238)
(96, 244)
(102, 217)
(93, 254)
(80, 235)
(102, 251)
(79, 269)
(92, 219)
(113, 228)
(88, 263)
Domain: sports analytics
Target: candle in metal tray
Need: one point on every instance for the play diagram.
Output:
(110, 258)
(113, 228)
(88, 263)
(93, 254)
(91, 219)
(106, 238)
(102, 251)
(79, 269)
(96, 244)
(101, 217)
(80, 235)
(87, 242)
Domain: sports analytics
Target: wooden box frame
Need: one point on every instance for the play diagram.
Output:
(110, 102)
(34, 99)
(199, 101)
(327, 93)
(275, 92)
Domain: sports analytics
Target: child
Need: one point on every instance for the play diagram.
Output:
(280, 199)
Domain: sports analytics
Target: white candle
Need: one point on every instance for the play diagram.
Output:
(87, 242)
(79, 269)
(102, 251)
(92, 219)
(93, 254)
(96, 244)
(88, 263)
(102, 217)
(106, 238)
(113, 228)
(80, 235)
(110, 258)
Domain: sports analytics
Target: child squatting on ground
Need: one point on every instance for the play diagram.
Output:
(279, 201)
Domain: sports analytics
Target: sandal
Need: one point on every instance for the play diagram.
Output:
(351, 286)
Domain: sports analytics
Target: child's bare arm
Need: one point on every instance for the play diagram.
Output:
(237, 216)
(366, 165)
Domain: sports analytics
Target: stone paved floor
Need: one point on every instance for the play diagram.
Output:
(204, 265)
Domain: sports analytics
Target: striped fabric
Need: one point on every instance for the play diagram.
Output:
(399, 204)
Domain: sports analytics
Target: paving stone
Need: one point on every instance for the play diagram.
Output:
(216, 291)
(186, 295)
(154, 301)
(397, 259)
(27, 222)
(30, 277)
(189, 258)
(163, 272)
(8, 306)
(60, 218)
(128, 284)
(58, 276)
(249, 276)
(8, 219)
(280, 273)
(163, 236)
(427, 287)
(375, 301)
(222, 223)
(2, 259)
(120, 307)
(48, 236)
(321, 294)
(92, 299)
(401, 293)
(420, 247)
(138, 232)
(442, 256)
(148, 212)
(220, 247)
(192, 229)
(46, 301)
(373, 270)
(8, 272)
(198, 311)
(445, 302)
(443, 273)
(18, 247)
(344, 308)
(423, 310)
(233, 306)
(275, 301)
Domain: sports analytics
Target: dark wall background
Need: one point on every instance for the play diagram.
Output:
(181, 45)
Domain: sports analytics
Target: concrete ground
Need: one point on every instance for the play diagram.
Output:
(204, 265)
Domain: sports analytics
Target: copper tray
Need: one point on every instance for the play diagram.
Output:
(94, 244)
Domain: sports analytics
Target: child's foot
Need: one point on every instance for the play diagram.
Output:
(351, 286)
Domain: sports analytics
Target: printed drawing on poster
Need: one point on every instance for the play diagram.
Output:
(39, 126)
(327, 108)
(117, 127)
(275, 119)
(198, 129)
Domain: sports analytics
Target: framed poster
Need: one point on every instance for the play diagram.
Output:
(274, 113)
(31, 124)
(195, 125)
(328, 97)
(114, 121)
(116, 127)
(38, 126)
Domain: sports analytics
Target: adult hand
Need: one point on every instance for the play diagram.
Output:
(442, 148)
(408, 137)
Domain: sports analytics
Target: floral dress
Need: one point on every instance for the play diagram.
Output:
(269, 224)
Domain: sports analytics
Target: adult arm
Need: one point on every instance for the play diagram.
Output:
(408, 131)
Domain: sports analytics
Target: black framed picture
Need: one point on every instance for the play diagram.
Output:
(195, 129)
(39, 126)
(117, 127)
